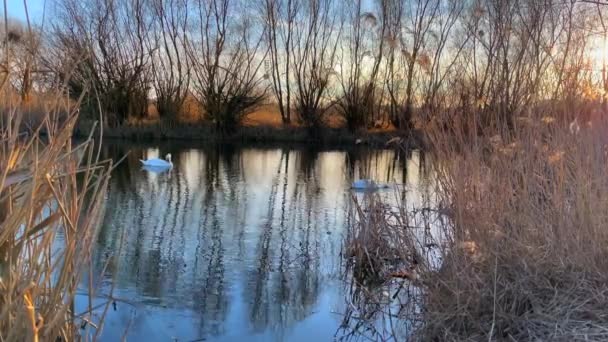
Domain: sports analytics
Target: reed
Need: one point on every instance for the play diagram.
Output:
(526, 258)
(51, 204)
(520, 252)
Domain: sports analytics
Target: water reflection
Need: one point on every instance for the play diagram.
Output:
(233, 242)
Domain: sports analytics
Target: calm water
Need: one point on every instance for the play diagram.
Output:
(234, 243)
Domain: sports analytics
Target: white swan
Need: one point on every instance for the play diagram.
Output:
(574, 126)
(158, 163)
(363, 184)
(367, 184)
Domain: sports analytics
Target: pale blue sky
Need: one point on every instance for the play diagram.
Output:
(35, 8)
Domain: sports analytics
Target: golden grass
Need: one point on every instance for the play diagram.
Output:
(51, 203)
(38, 106)
(534, 204)
(524, 253)
(267, 115)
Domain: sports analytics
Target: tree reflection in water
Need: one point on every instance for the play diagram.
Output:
(387, 308)
(286, 281)
(233, 242)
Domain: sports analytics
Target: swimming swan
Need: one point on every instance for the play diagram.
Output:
(367, 184)
(156, 162)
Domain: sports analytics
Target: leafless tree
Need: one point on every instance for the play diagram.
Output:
(519, 53)
(226, 60)
(104, 41)
(314, 54)
(380, 59)
(169, 67)
(280, 17)
(360, 61)
(23, 44)
(417, 66)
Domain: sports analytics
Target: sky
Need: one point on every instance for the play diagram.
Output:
(16, 9)
(35, 8)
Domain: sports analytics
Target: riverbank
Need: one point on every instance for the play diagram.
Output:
(253, 134)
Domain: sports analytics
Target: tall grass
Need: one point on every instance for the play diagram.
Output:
(51, 203)
(52, 196)
(530, 204)
(523, 255)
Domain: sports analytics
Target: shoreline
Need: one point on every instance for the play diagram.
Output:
(253, 134)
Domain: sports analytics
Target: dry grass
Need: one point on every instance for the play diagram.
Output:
(530, 204)
(267, 115)
(51, 203)
(524, 255)
(388, 248)
(370, 245)
(39, 105)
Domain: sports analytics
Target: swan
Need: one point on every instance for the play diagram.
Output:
(574, 126)
(156, 169)
(158, 163)
(362, 184)
(367, 184)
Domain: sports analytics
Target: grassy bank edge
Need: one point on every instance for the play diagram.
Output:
(255, 134)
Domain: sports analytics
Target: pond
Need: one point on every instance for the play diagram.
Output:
(235, 242)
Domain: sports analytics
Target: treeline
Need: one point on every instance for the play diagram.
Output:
(371, 62)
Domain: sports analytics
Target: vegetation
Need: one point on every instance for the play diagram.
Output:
(513, 248)
(509, 95)
(525, 252)
(51, 203)
(387, 63)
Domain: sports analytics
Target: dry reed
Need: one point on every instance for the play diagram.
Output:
(523, 255)
(527, 254)
(51, 203)
(52, 197)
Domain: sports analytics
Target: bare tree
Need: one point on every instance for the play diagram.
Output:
(104, 41)
(360, 61)
(418, 36)
(170, 67)
(226, 63)
(518, 54)
(23, 44)
(314, 49)
(388, 58)
(280, 17)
